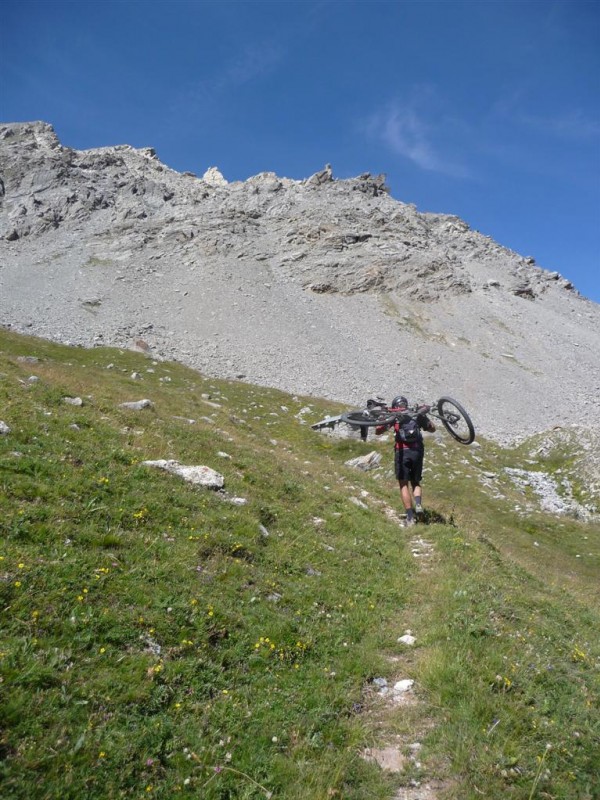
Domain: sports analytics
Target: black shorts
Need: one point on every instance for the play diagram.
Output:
(409, 465)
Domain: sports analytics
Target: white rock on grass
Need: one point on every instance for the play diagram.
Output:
(211, 404)
(137, 405)
(358, 502)
(407, 639)
(300, 415)
(4, 429)
(366, 462)
(73, 401)
(198, 475)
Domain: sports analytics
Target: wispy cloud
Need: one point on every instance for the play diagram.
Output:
(248, 65)
(569, 125)
(253, 62)
(417, 136)
(514, 109)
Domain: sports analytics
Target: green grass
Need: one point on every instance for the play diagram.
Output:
(155, 642)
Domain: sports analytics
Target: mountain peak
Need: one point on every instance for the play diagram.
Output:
(320, 286)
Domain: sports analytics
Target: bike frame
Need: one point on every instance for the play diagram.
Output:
(445, 409)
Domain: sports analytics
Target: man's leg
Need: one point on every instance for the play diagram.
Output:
(402, 473)
(418, 495)
(417, 472)
(405, 494)
(407, 502)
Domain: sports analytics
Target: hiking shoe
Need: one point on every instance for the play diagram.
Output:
(410, 522)
(419, 510)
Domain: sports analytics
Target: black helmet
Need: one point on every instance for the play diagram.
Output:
(399, 402)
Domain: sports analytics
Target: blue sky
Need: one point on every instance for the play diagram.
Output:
(487, 110)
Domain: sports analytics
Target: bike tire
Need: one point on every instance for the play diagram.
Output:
(362, 420)
(456, 420)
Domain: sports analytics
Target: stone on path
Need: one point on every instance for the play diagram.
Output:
(402, 691)
(388, 758)
(73, 401)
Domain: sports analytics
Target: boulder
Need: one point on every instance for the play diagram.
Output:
(198, 475)
(366, 462)
(137, 405)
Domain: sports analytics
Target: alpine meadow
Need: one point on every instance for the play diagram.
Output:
(282, 636)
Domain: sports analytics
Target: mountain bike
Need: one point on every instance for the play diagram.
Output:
(451, 414)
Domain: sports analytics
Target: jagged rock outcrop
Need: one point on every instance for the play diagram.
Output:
(320, 286)
(315, 227)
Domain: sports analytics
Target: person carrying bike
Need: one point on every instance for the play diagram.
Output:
(409, 451)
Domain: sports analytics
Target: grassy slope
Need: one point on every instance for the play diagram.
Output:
(156, 643)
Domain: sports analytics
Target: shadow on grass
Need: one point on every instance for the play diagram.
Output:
(432, 517)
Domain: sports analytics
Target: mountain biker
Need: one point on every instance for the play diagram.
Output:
(409, 450)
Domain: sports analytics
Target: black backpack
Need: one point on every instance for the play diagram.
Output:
(407, 430)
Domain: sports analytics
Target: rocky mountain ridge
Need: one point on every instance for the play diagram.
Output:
(321, 286)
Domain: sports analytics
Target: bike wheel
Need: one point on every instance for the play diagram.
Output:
(456, 420)
(364, 419)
